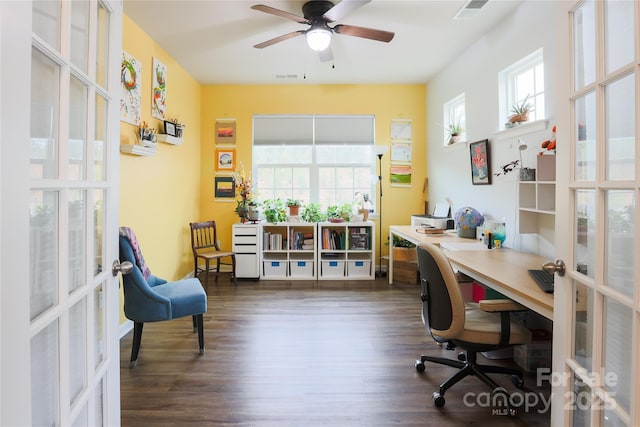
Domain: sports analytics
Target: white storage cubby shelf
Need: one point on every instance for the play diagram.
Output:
(537, 198)
(289, 251)
(246, 246)
(345, 250)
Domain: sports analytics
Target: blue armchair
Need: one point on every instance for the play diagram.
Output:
(148, 298)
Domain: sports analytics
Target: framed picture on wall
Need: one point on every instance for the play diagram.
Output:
(224, 188)
(225, 131)
(480, 162)
(225, 159)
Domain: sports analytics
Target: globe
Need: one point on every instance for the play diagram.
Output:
(467, 219)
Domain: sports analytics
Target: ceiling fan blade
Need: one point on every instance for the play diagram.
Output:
(326, 55)
(367, 33)
(344, 8)
(278, 39)
(280, 13)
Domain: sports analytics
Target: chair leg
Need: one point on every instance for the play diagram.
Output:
(206, 276)
(135, 348)
(200, 324)
(195, 323)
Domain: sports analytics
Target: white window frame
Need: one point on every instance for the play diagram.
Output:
(314, 166)
(454, 111)
(508, 87)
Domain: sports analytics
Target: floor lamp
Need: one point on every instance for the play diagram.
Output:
(379, 151)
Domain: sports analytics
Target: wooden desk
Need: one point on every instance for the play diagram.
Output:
(504, 270)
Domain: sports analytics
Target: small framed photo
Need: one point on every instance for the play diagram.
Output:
(224, 188)
(480, 162)
(225, 159)
(225, 132)
(170, 128)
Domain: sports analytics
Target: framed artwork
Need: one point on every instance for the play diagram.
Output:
(480, 162)
(158, 90)
(225, 159)
(225, 131)
(170, 128)
(400, 175)
(400, 152)
(400, 129)
(224, 188)
(130, 82)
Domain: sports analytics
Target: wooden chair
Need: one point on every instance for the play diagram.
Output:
(204, 242)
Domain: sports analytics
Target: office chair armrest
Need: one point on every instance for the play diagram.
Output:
(496, 305)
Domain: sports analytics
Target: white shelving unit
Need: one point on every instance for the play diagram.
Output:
(346, 250)
(288, 251)
(246, 245)
(537, 199)
(137, 150)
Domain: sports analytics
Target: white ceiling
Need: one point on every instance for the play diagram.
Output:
(213, 40)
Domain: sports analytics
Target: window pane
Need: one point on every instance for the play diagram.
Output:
(99, 147)
(80, 34)
(284, 130)
(617, 351)
(99, 322)
(102, 52)
(43, 251)
(585, 45)
(585, 233)
(77, 129)
(619, 30)
(621, 230)
(344, 129)
(45, 97)
(46, 20)
(583, 324)
(344, 154)
(282, 155)
(77, 239)
(44, 377)
(77, 349)
(585, 151)
(98, 226)
(620, 124)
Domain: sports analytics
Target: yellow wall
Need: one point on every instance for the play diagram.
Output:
(160, 195)
(386, 102)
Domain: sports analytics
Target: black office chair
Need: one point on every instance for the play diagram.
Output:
(474, 328)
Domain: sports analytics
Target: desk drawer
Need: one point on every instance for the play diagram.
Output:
(245, 231)
(245, 249)
(245, 240)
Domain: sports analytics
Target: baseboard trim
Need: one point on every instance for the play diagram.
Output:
(125, 328)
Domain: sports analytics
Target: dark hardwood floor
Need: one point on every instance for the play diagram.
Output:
(303, 354)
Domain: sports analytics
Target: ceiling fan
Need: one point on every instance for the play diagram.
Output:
(319, 14)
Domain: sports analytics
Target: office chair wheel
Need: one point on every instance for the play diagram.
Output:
(420, 366)
(517, 381)
(438, 399)
(462, 356)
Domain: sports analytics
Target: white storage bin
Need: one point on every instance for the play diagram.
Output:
(359, 268)
(275, 268)
(333, 268)
(301, 268)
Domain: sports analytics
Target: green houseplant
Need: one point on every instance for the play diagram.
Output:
(454, 130)
(521, 111)
(294, 206)
(275, 210)
(312, 213)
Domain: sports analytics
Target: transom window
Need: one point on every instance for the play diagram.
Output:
(323, 159)
(521, 83)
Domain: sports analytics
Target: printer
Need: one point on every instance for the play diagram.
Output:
(441, 218)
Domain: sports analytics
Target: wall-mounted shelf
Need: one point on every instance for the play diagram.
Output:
(537, 199)
(137, 150)
(521, 129)
(163, 137)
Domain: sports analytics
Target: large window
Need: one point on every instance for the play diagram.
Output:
(322, 159)
(523, 83)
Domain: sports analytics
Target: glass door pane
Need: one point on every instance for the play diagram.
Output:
(621, 129)
(619, 37)
(584, 45)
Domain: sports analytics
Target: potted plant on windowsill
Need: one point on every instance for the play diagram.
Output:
(520, 111)
(294, 206)
(454, 130)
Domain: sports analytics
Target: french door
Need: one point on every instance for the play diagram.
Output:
(597, 302)
(62, 346)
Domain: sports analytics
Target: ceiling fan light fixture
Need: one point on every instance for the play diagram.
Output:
(318, 39)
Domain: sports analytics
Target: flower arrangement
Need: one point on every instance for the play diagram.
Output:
(244, 189)
(549, 144)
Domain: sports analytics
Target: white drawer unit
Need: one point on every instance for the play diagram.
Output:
(246, 245)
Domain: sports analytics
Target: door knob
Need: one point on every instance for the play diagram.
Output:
(554, 267)
(124, 268)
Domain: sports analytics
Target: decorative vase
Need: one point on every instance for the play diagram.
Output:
(253, 213)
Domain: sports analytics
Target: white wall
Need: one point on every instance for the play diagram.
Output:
(475, 73)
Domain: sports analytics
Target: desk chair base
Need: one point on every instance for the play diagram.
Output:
(467, 365)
